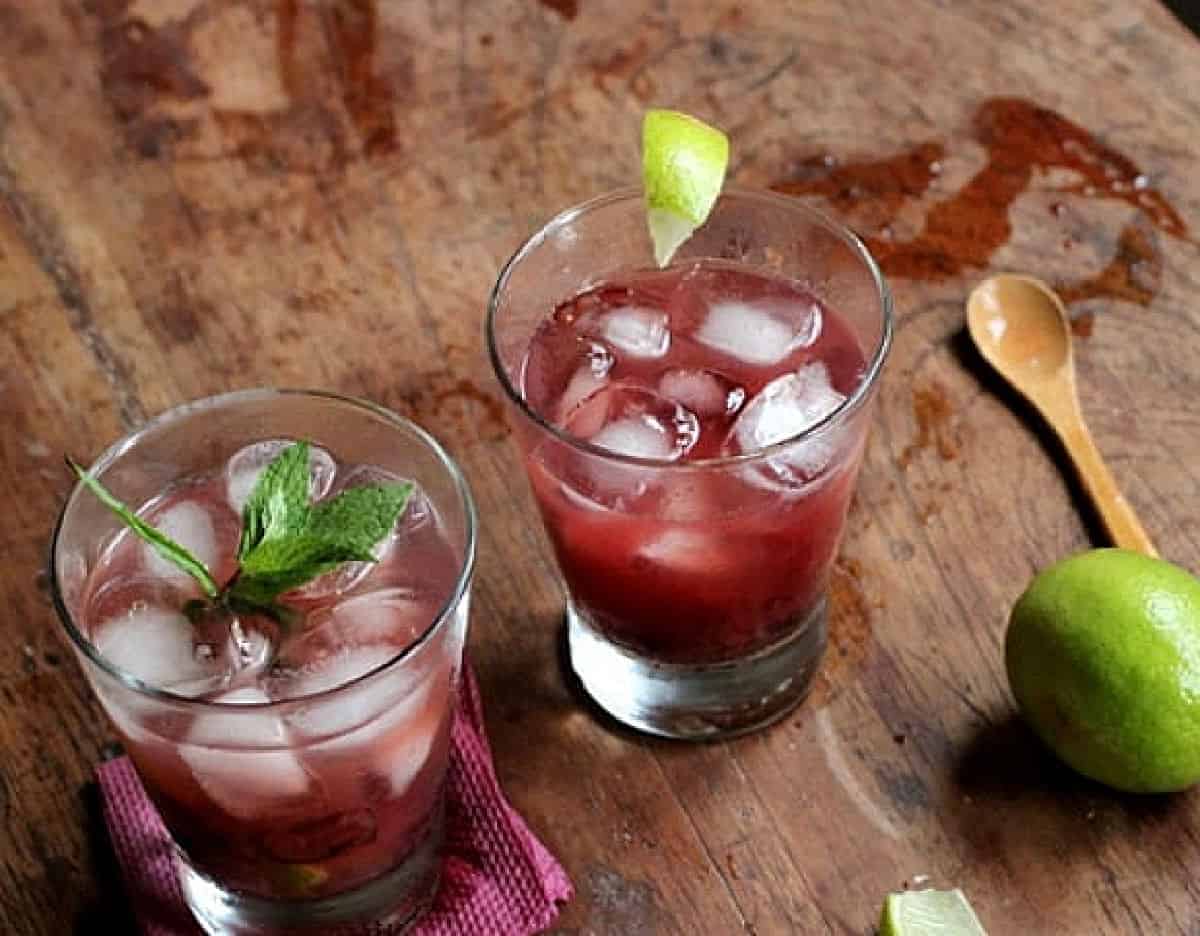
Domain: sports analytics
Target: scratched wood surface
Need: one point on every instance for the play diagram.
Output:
(200, 195)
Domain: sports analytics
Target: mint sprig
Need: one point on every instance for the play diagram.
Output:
(285, 541)
(165, 546)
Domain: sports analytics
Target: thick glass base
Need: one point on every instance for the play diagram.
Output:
(386, 906)
(697, 701)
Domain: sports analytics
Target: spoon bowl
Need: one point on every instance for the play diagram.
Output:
(1021, 329)
(1020, 326)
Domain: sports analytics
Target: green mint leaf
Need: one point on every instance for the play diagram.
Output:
(164, 545)
(360, 517)
(278, 566)
(278, 506)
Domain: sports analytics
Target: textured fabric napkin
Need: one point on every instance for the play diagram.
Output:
(497, 880)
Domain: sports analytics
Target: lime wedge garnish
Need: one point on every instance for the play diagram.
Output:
(683, 167)
(929, 913)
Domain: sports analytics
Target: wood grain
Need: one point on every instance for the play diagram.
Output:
(199, 195)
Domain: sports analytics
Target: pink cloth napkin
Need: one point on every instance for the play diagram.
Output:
(497, 880)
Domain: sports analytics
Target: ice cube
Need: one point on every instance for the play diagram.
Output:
(383, 717)
(637, 331)
(785, 408)
(686, 551)
(390, 616)
(760, 332)
(625, 420)
(704, 392)
(189, 524)
(640, 436)
(689, 498)
(638, 422)
(158, 646)
(244, 759)
(589, 378)
(354, 705)
(411, 743)
(243, 469)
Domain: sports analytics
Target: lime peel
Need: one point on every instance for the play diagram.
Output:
(683, 168)
(929, 913)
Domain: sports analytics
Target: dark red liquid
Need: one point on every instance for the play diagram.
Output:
(687, 559)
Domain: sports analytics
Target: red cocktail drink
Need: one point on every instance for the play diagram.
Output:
(692, 437)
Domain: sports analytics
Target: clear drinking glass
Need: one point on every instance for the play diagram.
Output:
(309, 813)
(696, 605)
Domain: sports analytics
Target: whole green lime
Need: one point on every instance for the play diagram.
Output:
(1103, 656)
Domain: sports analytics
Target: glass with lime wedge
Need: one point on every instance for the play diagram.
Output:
(692, 368)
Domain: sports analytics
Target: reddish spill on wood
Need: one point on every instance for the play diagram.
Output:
(353, 27)
(888, 183)
(934, 416)
(141, 64)
(1083, 324)
(567, 9)
(1134, 273)
(964, 230)
(849, 631)
(621, 64)
(287, 14)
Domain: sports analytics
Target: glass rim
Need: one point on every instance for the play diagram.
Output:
(851, 404)
(174, 414)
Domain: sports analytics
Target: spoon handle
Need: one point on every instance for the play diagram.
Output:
(1118, 517)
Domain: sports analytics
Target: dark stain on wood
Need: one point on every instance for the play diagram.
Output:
(886, 183)
(152, 137)
(31, 38)
(180, 312)
(287, 13)
(353, 30)
(934, 416)
(621, 64)
(567, 9)
(1083, 324)
(963, 231)
(906, 791)
(141, 64)
(849, 631)
(1134, 274)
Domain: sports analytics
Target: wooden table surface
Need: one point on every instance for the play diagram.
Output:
(200, 195)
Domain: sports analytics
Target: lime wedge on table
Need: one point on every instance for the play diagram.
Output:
(683, 167)
(929, 913)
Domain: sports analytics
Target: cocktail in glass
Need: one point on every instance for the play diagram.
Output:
(299, 762)
(692, 437)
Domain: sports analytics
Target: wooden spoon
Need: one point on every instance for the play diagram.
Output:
(1020, 327)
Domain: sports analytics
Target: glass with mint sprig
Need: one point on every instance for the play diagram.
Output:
(285, 542)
